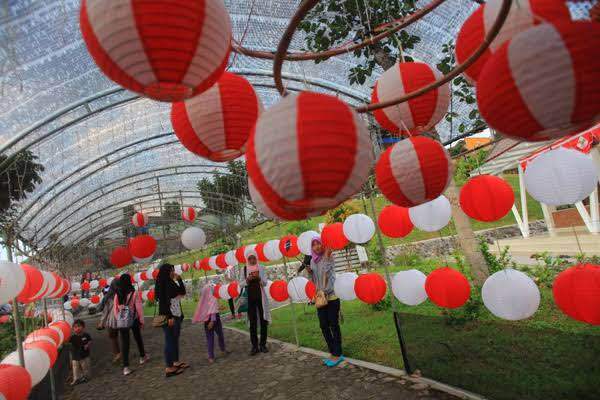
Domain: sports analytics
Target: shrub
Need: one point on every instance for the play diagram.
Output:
(470, 312)
(383, 305)
(340, 213)
(496, 263)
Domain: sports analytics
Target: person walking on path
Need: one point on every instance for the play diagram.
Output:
(169, 289)
(255, 280)
(108, 321)
(207, 312)
(129, 315)
(322, 274)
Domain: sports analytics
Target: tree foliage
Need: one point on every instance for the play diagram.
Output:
(340, 213)
(226, 193)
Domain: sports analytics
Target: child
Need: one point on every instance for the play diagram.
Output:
(80, 353)
(208, 312)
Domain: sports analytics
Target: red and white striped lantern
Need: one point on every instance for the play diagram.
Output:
(139, 219)
(197, 265)
(523, 15)
(166, 50)
(414, 171)
(326, 149)
(217, 123)
(544, 83)
(417, 115)
(188, 214)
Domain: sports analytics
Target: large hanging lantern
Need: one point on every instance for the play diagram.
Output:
(140, 219)
(577, 293)
(561, 176)
(275, 211)
(414, 171)
(327, 151)
(395, 222)
(359, 228)
(333, 236)
(431, 216)
(163, 50)
(37, 363)
(544, 83)
(12, 281)
(121, 257)
(15, 382)
(46, 334)
(510, 294)
(217, 123)
(288, 245)
(188, 214)
(523, 15)
(486, 198)
(50, 349)
(305, 242)
(34, 281)
(344, 286)
(279, 291)
(272, 251)
(370, 288)
(297, 289)
(142, 246)
(193, 238)
(230, 258)
(409, 287)
(446, 287)
(416, 115)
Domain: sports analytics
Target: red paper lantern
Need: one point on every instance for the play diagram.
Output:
(44, 334)
(142, 246)
(217, 123)
(523, 15)
(50, 349)
(188, 214)
(279, 291)
(85, 286)
(260, 252)
(576, 292)
(102, 283)
(446, 287)
(417, 115)
(185, 267)
(165, 50)
(288, 245)
(414, 171)
(204, 265)
(311, 290)
(15, 382)
(34, 282)
(370, 288)
(221, 263)
(95, 299)
(233, 290)
(4, 319)
(139, 219)
(143, 276)
(74, 303)
(150, 296)
(121, 257)
(216, 291)
(328, 153)
(64, 327)
(333, 236)
(486, 198)
(197, 265)
(561, 97)
(240, 256)
(395, 222)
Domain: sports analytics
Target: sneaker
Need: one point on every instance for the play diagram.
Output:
(264, 349)
(144, 359)
(127, 371)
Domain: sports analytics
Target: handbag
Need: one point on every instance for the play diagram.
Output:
(125, 314)
(159, 321)
(320, 298)
(242, 302)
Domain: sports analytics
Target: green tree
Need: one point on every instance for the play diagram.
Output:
(171, 214)
(226, 193)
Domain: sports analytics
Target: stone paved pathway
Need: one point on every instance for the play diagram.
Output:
(282, 374)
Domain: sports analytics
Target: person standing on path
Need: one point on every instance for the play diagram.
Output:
(169, 289)
(255, 280)
(322, 273)
(108, 321)
(207, 312)
(129, 315)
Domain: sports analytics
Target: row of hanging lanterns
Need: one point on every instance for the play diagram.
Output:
(28, 284)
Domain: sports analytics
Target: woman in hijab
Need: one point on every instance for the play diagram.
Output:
(255, 281)
(169, 289)
(128, 307)
(108, 321)
(322, 273)
(207, 312)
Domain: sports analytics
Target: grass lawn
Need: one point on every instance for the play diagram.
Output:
(547, 357)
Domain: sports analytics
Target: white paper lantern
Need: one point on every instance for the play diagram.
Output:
(94, 284)
(212, 263)
(561, 176)
(510, 294)
(431, 216)
(67, 305)
(37, 363)
(12, 281)
(193, 238)
(84, 302)
(223, 293)
(178, 270)
(231, 259)
(272, 251)
(305, 241)
(409, 287)
(297, 289)
(75, 287)
(268, 289)
(359, 228)
(344, 286)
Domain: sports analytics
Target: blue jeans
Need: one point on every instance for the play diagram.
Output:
(172, 341)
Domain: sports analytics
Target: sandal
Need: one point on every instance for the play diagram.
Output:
(181, 365)
(178, 371)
